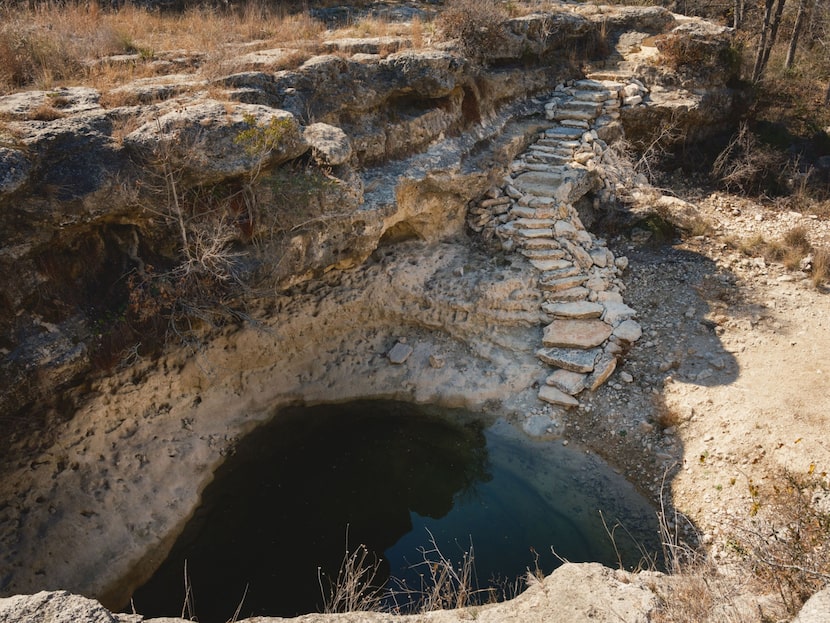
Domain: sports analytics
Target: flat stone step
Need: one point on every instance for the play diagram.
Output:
(539, 183)
(543, 254)
(548, 149)
(542, 203)
(535, 233)
(578, 309)
(577, 293)
(560, 144)
(569, 382)
(593, 95)
(570, 359)
(542, 243)
(600, 81)
(560, 273)
(583, 114)
(576, 123)
(544, 265)
(561, 132)
(523, 212)
(546, 210)
(554, 396)
(578, 109)
(549, 158)
(563, 284)
(534, 223)
(581, 334)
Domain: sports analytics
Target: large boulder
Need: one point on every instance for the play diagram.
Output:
(58, 607)
(211, 141)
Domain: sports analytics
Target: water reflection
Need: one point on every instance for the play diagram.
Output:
(280, 506)
(389, 471)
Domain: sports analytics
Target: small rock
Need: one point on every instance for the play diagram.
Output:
(625, 377)
(554, 396)
(628, 331)
(329, 144)
(569, 382)
(400, 353)
(436, 362)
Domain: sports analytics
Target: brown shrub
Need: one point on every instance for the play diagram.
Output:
(46, 112)
(477, 24)
(785, 539)
(749, 166)
(821, 266)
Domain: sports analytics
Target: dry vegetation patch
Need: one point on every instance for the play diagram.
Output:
(54, 44)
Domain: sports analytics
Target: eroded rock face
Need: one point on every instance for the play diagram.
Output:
(342, 263)
(584, 593)
(206, 141)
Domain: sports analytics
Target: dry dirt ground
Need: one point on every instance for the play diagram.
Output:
(730, 383)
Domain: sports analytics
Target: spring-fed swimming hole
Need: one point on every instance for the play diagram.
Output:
(402, 480)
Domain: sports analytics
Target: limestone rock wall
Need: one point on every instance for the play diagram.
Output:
(397, 147)
(356, 159)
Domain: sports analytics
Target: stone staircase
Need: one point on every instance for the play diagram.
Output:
(532, 213)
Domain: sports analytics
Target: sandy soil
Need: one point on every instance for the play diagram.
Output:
(730, 384)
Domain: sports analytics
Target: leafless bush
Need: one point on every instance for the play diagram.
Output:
(821, 266)
(477, 24)
(786, 538)
(747, 165)
(355, 588)
(445, 585)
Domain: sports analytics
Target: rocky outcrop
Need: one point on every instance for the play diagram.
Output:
(109, 203)
(585, 593)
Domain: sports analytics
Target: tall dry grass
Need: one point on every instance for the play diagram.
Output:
(55, 44)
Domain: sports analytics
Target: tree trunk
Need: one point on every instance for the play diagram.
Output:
(769, 32)
(803, 8)
(738, 14)
(762, 41)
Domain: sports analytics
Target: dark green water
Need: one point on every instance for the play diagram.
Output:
(279, 509)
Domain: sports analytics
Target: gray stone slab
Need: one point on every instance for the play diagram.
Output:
(554, 396)
(628, 331)
(577, 293)
(570, 359)
(543, 254)
(550, 264)
(577, 309)
(615, 312)
(574, 333)
(399, 353)
(569, 382)
(563, 284)
(603, 369)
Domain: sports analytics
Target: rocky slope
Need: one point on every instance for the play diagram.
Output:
(345, 244)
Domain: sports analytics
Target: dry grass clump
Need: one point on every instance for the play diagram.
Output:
(52, 44)
(785, 541)
(371, 26)
(821, 266)
(794, 250)
(476, 24)
(780, 557)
